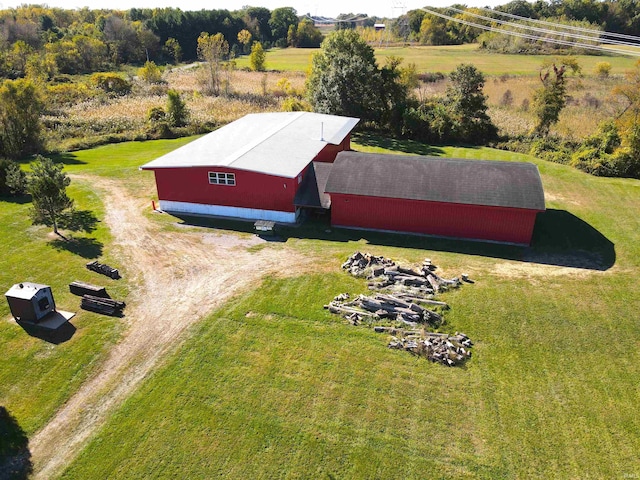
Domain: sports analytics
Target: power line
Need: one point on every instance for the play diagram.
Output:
(567, 27)
(539, 38)
(597, 33)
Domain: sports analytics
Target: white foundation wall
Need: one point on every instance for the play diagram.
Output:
(225, 211)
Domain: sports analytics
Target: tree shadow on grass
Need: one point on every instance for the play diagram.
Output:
(17, 199)
(79, 221)
(15, 457)
(67, 158)
(368, 139)
(84, 247)
(560, 238)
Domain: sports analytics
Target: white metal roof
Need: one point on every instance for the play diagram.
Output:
(280, 143)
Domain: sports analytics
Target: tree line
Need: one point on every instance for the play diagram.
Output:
(53, 40)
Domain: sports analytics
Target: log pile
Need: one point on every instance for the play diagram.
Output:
(449, 350)
(103, 269)
(359, 264)
(422, 281)
(80, 288)
(381, 306)
(106, 306)
(404, 299)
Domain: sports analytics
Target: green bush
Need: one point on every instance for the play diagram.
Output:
(111, 83)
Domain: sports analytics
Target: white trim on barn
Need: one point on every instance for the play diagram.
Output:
(226, 211)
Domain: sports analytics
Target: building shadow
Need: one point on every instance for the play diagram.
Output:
(56, 336)
(82, 246)
(560, 238)
(15, 457)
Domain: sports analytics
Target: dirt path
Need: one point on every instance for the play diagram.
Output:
(183, 277)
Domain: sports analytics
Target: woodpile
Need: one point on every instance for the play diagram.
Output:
(80, 288)
(405, 299)
(359, 264)
(384, 306)
(103, 269)
(422, 281)
(106, 306)
(449, 350)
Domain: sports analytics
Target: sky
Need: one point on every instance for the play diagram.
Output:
(327, 8)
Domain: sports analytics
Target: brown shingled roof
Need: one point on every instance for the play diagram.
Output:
(448, 180)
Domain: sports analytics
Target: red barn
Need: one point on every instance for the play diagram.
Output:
(251, 168)
(477, 199)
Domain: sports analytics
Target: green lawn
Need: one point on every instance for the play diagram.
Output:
(445, 59)
(271, 385)
(37, 375)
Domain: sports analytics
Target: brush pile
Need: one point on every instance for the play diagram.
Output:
(449, 350)
(364, 264)
(381, 306)
(405, 299)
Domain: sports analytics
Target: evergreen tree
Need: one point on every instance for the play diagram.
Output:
(47, 184)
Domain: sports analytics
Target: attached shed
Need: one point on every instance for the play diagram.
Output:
(30, 302)
(251, 168)
(476, 199)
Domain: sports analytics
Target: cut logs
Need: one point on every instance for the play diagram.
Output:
(405, 299)
(450, 350)
(360, 264)
(386, 306)
(80, 288)
(106, 306)
(103, 269)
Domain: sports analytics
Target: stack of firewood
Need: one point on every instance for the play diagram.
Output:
(106, 306)
(450, 350)
(359, 263)
(405, 310)
(103, 269)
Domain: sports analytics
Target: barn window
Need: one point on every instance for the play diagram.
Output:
(219, 178)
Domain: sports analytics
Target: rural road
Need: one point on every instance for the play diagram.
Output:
(182, 279)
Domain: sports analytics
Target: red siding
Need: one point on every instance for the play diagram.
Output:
(434, 218)
(329, 152)
(252, 190)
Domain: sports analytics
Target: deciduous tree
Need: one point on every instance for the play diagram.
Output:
(212, 50)
(257, 57)
(345, 79)
(20, 128)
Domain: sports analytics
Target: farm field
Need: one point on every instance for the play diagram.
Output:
(444, 59)
(270, 385)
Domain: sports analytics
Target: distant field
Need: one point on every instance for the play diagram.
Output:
(272, 386)
(444, 59)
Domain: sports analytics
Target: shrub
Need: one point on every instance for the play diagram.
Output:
(110, 83)
(150, 73)
(293, 104)
(156, 114)
(602, 69)
(507, 98)
(13, 180)
(67, 93)
(177, 112)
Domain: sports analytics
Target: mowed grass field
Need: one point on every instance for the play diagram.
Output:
(272, 386)
(39, 373)
(444, 59)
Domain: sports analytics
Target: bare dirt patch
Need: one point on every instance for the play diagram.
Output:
(181, 278)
